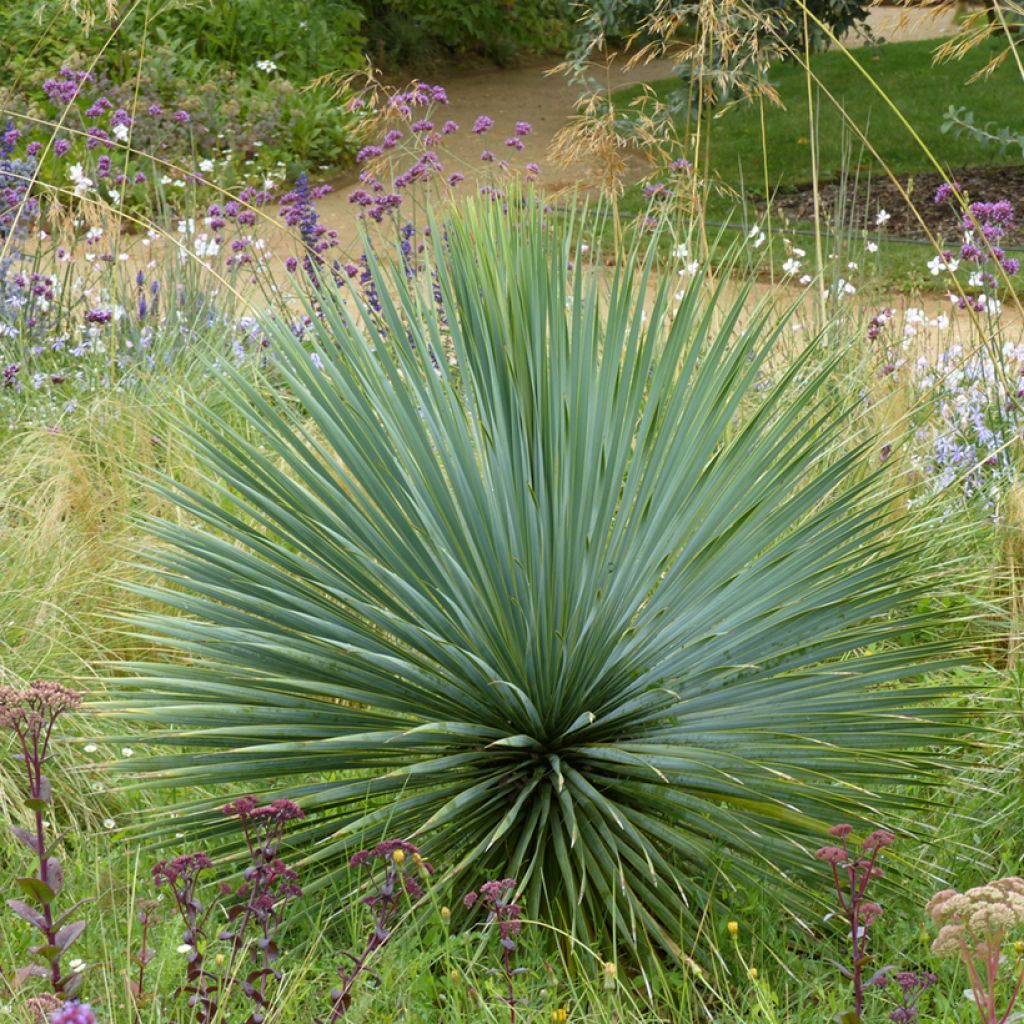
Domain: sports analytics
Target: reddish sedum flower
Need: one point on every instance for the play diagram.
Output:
(878, 839)
(852, 873)
(496, 898)
(41, 700)
(831, 854)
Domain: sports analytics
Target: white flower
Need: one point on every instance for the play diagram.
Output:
(184, 948)
(756, 235)
(121, 132)
(976, 280)
(939, 263)
(165, 179)
(791, 266)
(851, 265)
(682, 251)
(206, 246)
(114, 196)
(799, 253)
(82, 183)
(90, 748)
(94, 234)
(127, 752)
(206, 165)
(77, 966)
(267, 66)
(872, 247)
(882, 219)
(805, 279)
(109, 823)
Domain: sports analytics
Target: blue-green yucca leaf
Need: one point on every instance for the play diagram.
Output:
(545, 584)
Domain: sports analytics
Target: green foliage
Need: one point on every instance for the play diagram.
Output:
(731, 42)
(960, 121)
(411, 32)
(573, 611)
(851, 95)
(305, 38)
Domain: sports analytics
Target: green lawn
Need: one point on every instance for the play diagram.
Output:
(906, 74)
(921, 90)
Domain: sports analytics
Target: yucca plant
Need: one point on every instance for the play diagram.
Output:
(546, 583)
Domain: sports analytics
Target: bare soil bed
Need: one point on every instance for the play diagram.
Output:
(917, 218)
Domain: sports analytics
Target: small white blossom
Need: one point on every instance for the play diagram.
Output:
(883, 218)
(267, 66)
(127, 752)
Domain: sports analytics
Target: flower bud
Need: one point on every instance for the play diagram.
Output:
(753, 973)
(446, 914)
(733, 928)
(559, 1016)
(454, 975)
(219, 959)
(610, 973)
(398, 856)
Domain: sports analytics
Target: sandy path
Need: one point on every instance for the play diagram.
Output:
(531, 93)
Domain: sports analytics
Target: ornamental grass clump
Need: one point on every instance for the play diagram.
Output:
(549, 583)
(32, 715)
(975, 926)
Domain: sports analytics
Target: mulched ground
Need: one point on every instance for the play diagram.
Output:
(863, 202)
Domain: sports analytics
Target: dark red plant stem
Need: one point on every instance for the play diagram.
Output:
(34, 764)
(506, 957)
(1013, 999)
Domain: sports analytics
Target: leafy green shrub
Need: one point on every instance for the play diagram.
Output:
(410, 32)
(525, 567)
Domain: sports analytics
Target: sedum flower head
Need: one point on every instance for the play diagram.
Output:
(977, 919)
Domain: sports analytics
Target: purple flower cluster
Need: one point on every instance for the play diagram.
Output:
(912, 985)
(298, 208)
(971, 413)
(17, 206)
(985, 227)
(63, 90)
(73, 1013)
